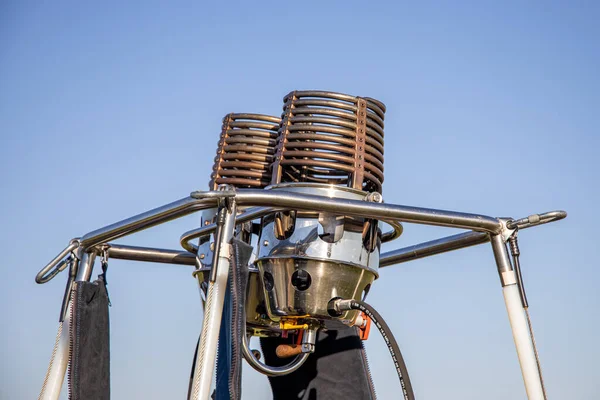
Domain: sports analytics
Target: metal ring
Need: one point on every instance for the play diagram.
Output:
(257, 212)
(267, 369)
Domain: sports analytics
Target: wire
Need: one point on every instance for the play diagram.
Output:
(391, 343)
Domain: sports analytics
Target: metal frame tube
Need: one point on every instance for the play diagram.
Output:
(149, 219)
(518, 321)
(418, 215)
(213, 310)
(61, 354)
(284, 200)
(248, 215)
(86, 265)
(149, 254)
(287, 200)
(433, 247)
(258, 212)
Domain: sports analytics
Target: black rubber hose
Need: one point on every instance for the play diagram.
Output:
(392, 345)
(193, 369)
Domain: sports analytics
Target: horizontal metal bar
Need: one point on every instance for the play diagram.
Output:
(438, 246)
(150, 218)
(148, 254)
(281, 199)
(418, 215)
(456, 242)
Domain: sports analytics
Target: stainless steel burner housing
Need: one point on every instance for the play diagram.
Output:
(316, 257)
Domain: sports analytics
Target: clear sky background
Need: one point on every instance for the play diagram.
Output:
(110, 109)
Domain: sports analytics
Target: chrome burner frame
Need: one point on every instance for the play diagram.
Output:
(81, 253)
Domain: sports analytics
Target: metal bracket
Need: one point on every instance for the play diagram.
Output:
(361, 136)
(283, 134)
(220, 150)
(506, 232)
(226, 201)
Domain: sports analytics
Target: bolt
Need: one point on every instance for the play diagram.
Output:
(212, 246)
(376, 197)
(266, 243)
(202, 256)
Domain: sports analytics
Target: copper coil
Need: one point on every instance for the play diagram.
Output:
(246, 150)
(332, 138)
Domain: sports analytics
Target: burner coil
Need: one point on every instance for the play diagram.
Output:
(245, 151)
(331, 138)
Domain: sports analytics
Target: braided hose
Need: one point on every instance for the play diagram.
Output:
(213, 309)
(213, 292)
(55, 375)
(47, 377)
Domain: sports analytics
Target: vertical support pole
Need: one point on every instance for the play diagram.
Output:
(83, 264)
(518, 320)
(86, 265)
(213, 309)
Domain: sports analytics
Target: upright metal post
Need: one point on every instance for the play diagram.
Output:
(213, 309)
(518, 320)
(86, 265)
(60, 354)
(83, 264)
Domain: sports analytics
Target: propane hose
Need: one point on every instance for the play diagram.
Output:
(338, 306)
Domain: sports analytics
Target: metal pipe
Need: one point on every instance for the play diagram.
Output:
(86, 265)
(257, 212)
(281, 199)
(150, 218)
(518, 321)
(248, 215)
(61, 353)
(213, 310)
(433, 247)
(455, 242)
(505, 269)
(270, 370)
(418, 215)
(148, 254)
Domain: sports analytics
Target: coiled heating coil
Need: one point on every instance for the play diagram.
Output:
(245, 151)
(332, 138)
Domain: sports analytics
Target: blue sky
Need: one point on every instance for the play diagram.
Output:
(110, 109)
